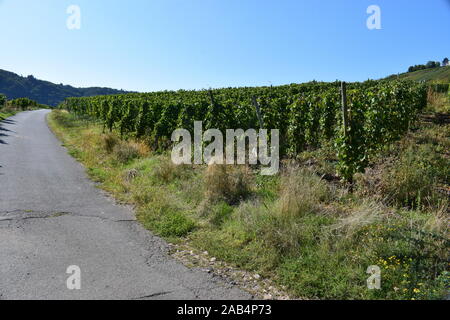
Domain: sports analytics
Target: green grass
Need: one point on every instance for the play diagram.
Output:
(307, 233)
(8, 111)
(6, 114)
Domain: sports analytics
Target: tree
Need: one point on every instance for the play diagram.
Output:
(445, 62)
(418, 67)
(23, 103)
(431, 64)
(2, 99)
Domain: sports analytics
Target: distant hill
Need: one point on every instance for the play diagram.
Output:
(441, 74)
(44, 92)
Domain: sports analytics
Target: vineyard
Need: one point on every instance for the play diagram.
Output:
(307, 115)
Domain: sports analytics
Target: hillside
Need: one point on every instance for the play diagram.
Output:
(441, 74)
(294, 228)
(48, 93)
(44, 92)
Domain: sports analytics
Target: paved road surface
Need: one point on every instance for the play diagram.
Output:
(52, 217)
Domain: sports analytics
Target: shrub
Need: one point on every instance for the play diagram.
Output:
(167, 221)
(2, 99)
(174, 224)
(23, 103)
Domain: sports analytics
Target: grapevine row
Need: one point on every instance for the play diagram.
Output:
(306, 115)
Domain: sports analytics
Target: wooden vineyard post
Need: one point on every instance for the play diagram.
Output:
(211, 96)
(344, 106)
(345, 116)
(258, 112)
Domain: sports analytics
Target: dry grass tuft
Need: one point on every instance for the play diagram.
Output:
(125, 151)
(439, 220)
(166, 171)
(367, 213)
(438, 102)
(110, 141)
(302, 191)
(231, 184)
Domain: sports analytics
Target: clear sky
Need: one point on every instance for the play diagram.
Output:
(148, 45)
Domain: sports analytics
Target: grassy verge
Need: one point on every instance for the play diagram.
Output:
(6, 113)
(301, 228)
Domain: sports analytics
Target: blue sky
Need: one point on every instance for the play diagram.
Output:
(148, 45)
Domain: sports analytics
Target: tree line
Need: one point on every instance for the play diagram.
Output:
(21, 104)
(428, 65)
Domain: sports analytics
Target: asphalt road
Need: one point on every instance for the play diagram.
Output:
(52, 217)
